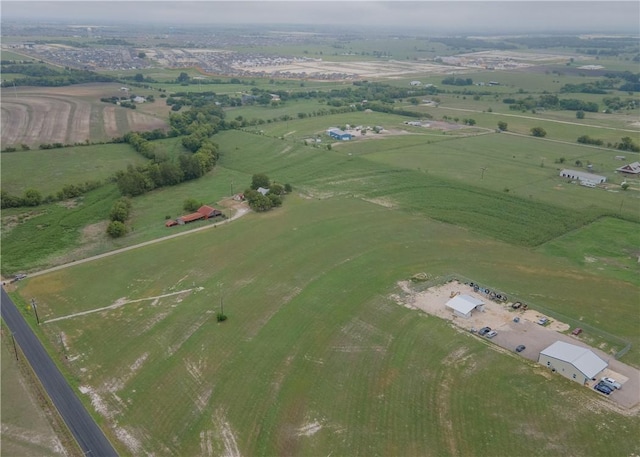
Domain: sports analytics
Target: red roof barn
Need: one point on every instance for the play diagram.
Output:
(208, 211)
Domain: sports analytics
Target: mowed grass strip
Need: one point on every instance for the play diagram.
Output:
(316, 357)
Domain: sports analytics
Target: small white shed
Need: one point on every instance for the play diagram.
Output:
(463, 305)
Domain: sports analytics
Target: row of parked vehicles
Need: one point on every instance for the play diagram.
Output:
(607, 386)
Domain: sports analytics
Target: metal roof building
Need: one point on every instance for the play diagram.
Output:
(462, 305)
(582, 176)
(574, 362)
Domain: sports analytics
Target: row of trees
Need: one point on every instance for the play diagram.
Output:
(33, 197)
(42, 75)
(549, 101)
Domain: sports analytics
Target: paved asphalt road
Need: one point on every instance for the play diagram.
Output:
(85, 430)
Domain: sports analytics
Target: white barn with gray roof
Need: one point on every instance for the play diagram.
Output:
(462, 305)
(573, 362)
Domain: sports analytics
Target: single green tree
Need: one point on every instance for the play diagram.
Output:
(32, 197)
(580, 114)
(538, 132)
(191, 204)
(502, 126)
(116, 229)
(260, 180)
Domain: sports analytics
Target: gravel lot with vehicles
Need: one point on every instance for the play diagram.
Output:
(526, 332)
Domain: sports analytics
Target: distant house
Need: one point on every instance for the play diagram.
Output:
(573, 362)
(415, 83)
(582, 176)
(463, 305)
(262, 190)
(339, 134)
(631, 169)
(248, 98)
(139, 99)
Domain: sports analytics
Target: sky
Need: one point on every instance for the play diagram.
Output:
(542, 16)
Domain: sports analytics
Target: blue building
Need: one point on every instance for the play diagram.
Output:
(339, 134)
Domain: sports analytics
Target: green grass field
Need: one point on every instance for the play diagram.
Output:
(26, 428)
(317, 357)
(49, 170)
(314, 347)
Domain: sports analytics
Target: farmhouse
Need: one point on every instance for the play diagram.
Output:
(582, 176)
(573, 362)
(630, 169)
(339, 134)
(463, 305)
(139, 99)
(262, 190)
(415, 83)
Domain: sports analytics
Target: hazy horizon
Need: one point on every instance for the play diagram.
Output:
(467, 17)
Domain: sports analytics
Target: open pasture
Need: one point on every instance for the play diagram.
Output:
(49, 170)
(68, 115)
(316, 356)
(528, 167)
(26, 427)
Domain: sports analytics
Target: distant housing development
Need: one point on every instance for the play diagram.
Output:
(582, 176)
(339, 134)
(573, 362)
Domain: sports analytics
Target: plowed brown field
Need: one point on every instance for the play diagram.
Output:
(68, 115)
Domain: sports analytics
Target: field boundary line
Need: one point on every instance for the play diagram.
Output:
(119, 303)
(241, 212)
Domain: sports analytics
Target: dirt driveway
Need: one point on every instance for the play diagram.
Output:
(500, 317)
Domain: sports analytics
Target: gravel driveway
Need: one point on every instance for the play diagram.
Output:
(499, 316)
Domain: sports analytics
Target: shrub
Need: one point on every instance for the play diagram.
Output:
(539, 132)
(191, 204)
(221, 317)
(116, 229)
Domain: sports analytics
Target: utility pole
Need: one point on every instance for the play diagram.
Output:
(482, 175)
(35, 309)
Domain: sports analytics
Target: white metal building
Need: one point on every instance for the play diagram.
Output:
(574, 362)
(462, 305)
(582, 176)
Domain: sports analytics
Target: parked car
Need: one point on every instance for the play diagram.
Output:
(605, 389)
(521, 348)
(542, 321)
(576, 331)
(610, 382)
(491, 334)
(484, 330)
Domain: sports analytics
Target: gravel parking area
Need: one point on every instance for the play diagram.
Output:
(500, 317)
